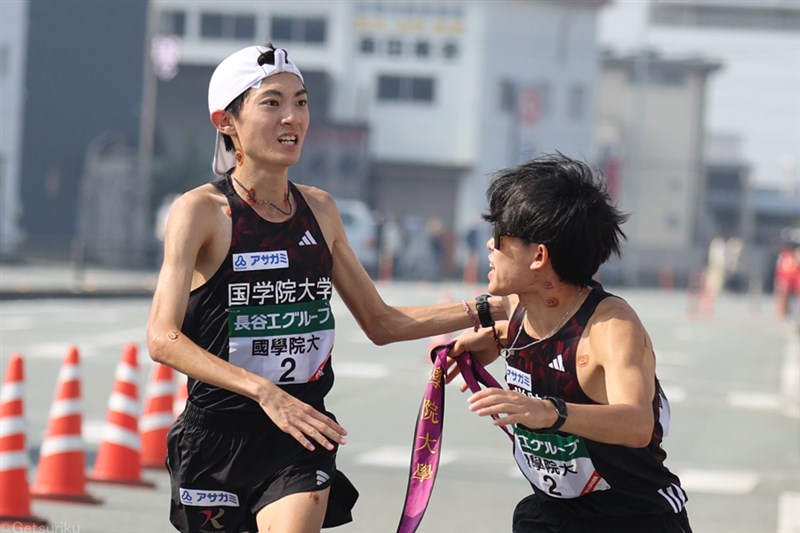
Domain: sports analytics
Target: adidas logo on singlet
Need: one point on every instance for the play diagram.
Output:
(557, 364)
(307, 240)
(322, 477)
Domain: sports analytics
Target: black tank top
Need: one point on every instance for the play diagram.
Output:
(267, 308)
(576, 477)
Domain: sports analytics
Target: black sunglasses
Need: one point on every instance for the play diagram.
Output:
(498, 235)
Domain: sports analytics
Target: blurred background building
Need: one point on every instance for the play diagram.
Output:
(414, 105)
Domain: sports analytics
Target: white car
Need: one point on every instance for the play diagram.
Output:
(362, 232)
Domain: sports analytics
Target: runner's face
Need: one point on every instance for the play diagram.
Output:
(273, 122)
(509, 266)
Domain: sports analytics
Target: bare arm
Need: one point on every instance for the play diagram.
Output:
(618, 344)
(382, 323)
(192, 234)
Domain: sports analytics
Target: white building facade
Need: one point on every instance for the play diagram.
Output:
(450, 92)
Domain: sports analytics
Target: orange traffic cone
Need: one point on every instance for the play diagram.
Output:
(157, 417)
(62, 459)
(181, 395)
(118, 458)
(15, 497)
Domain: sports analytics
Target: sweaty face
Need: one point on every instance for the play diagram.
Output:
(273, 122)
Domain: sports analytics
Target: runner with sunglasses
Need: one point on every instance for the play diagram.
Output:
(586, 409)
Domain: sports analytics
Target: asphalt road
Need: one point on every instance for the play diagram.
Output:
(732, 379)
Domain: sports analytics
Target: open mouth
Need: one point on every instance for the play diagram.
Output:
(288, 139)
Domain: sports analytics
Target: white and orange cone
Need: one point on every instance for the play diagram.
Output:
(15, 497)
(118, 457)
(157, 417)
(62, 458)
(181, 395)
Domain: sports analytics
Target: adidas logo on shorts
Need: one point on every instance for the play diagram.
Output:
(322, 477)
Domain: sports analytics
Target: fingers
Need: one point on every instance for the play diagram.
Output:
(307, 425)
(321, 429)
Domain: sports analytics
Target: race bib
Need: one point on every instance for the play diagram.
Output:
(557, 465)
(287, 344)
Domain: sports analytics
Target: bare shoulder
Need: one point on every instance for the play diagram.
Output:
(319, 200)
(198, 215)
(612, 321)
(614, 311)
(202, 200)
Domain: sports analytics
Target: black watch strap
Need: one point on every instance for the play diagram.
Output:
(561, 411)
(484, 313)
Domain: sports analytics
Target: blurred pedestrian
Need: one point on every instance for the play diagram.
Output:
(391, 241)
(587, 412)
(787, 279)
(242, 307)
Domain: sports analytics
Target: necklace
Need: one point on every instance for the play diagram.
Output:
(505, 352)
(250, 194)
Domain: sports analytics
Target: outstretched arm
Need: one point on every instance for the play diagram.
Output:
(381, 322)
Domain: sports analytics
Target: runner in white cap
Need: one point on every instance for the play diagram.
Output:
(242, 307)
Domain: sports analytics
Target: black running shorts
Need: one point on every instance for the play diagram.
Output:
(225, 467)
(529, 517)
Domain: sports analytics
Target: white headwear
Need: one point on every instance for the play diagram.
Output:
(237, 73)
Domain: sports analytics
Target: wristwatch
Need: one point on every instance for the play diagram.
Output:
(561, 411)
(484, 314)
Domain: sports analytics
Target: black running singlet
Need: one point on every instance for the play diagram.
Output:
(574, 476)
(267, 308)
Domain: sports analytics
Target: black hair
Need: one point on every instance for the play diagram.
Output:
(235, 107)
(562, 203)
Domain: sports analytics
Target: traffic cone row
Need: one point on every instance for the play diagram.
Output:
(61, 471)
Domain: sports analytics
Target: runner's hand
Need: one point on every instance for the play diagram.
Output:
(301, 420)
(480, 344)
(512, 407)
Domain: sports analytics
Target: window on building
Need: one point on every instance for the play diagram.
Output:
(312, 30)
(367, 45)
(406, 88)
(394, 47)
(211, 26)
(422, 89)
(172, 23)
(665, 76)
(450, 50)
(244, 27)
(577, 102)
(219, 26)
(422, 49)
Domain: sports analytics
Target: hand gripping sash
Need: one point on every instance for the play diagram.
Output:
(428, 435)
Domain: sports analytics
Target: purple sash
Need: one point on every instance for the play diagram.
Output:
(427, 437)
